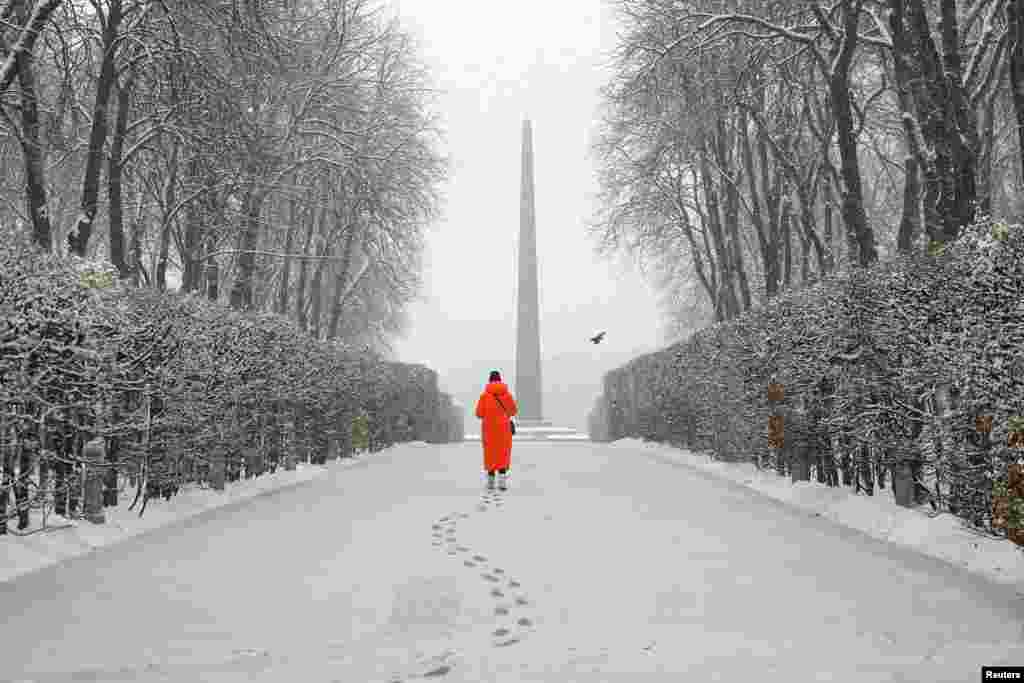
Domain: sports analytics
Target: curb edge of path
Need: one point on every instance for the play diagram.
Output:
(60, 563)
(877, 545)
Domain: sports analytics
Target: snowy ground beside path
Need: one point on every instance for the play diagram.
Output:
(598, 564)
(64, 539)
(942, 536)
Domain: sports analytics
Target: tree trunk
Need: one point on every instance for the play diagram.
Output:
(317, 300)
(787, 243)
(170, 198)
(805, 258)
(703, 275)
(910, 224)
(714, 229)
(286, 268)
(191, 259)
(830, 233)
(845, 464)
(341, 281)
(737, 261)
(769, 258)
(1015, 21)
(773, 207)
(859, 235)
(950, 192)
(809, 236)
(301, 316)
(35, 175)
(114, 175)
(136, 242)
(212, 270)
(985, 157)
(29, 449)
(245, 276)
(7, 465)
(729, 206)
(78, 238)
(965, 141)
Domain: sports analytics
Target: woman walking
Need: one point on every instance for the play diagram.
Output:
(495, 408)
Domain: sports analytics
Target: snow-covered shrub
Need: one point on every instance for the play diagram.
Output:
(181, 390)
(867, 359)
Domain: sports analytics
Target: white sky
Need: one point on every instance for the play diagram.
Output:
(497, 63)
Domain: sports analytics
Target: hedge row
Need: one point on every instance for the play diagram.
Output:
(103, 385)
(912, 369)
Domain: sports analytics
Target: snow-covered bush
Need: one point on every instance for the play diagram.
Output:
(887, 371)
(180, 390)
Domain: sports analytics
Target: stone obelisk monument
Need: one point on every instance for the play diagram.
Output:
(528, 378)
(528, 386)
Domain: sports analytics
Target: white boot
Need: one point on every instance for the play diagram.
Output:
(490, 480)
(503, 480)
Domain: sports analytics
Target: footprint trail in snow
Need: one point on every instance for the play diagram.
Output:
(513, 625)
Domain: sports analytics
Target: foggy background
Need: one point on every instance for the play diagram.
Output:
(497, 64)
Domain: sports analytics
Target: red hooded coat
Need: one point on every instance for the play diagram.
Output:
(495, 432)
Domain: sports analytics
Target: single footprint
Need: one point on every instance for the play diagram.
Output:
(462, 549)
(436, 527)
(522, 601)
(524, 622)
(501, 632)
(506, 642)
(442, 670)
(514, 584)
(501, 610)
(452, 552)
(498, 594)
(479, 558)
(469, 563)
(498, 570)
(490, 577)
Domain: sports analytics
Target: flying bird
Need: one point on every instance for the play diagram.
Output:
(597, 339)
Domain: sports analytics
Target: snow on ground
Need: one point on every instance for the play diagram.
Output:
(942, 536)
(597, 565)
(66, 538)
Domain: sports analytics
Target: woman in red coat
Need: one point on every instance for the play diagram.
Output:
(494, 409)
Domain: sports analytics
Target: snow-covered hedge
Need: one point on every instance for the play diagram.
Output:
(894, 371)
(100, 382)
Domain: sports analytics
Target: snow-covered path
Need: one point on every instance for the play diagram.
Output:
(603, 564)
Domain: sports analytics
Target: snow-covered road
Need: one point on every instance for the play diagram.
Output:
(599, 564)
